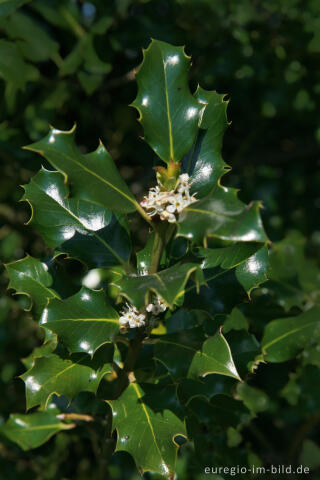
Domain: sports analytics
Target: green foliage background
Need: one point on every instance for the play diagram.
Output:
(65, 61)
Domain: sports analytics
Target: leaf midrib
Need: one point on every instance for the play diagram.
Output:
(106, 320)
(69, 211)
(168, 108)
(52, 292)
(287, 334)
(199, 352)
(136, 389)
(91, 172)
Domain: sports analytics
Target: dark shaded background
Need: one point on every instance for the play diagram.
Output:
(73, 61)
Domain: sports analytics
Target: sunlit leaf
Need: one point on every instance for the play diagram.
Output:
(145, 432)
(94, 175)
(204, 161)
(30, 277)
(82, 322)
(53, 375)
(188, 354)
(78, 227)
(168, 112)
(222, 215)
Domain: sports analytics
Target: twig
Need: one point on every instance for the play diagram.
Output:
(75, 416)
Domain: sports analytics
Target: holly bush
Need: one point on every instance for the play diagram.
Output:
(181, 342)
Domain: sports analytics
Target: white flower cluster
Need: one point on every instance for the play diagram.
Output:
(167, 204)
(156, 307)
(131, 316)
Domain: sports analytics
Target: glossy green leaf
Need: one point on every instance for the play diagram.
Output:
(245, 348)
(168, 284)
(54, 375)
(284, 337)
(249, 260)
(82, 322)
(94, 176)
(253, 271)
(222, 215)
(144, 255)
(32, 430)
(147, 434)
(168, 112)
(204, 162)
(78, 227)
(228, 257)
(188, 354)
(30, 277)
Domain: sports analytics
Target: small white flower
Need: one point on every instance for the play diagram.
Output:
(137, 321)
(165, 215)
(177, 203)
(131, 316)
(123, 320)
(167, 204)
(158, 306)
(184, 178)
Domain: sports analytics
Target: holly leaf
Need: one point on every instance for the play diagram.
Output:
(108, 247)
(227, 257)
(54, 375)
(144, 255)
(283, 338)
(204, 162)
(32, 430)
(168, 112)
(30, 277)
(253, 271)
(249, 260)
(245, 348)
(168, 284)
(94, 176)
(187, 354)
(82, 322)
(80, 228)
(147, 434)
(222, 215)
